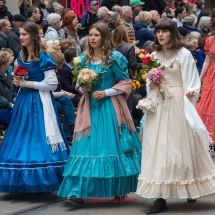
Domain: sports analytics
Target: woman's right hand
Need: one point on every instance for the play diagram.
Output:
(87, 88)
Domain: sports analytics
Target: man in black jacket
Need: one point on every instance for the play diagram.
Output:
(13, 41)
(4, 12)
(5, 28)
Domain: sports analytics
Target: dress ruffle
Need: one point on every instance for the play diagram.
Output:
(193, 188)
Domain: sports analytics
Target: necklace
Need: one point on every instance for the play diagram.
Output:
(167, 56)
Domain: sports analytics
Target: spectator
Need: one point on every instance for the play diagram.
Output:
(180, 13)
(170, 13)
(201, 53)
(63, 100)
(158, 5)
(107, 3)
(10, 69)
(90, 17)
(84, 43)
(117, 8)
(137, 6)
(23, 6)
(40, 5)
(69, 29)
(53, 46)
(13, 41)
(115, 21)
(53, 28)
(65, 44)
(195, 34)
(155, 18)
(192, 11)
(66, 77)
(204, 12)
(142, 33)
(41, 34)
(5, 28)
(127, 15)
(204, 26)
(33, 14)
(58, 8)
(6, 86)
(188, 23)
(200, 5)
(4, 12)
(104, 15)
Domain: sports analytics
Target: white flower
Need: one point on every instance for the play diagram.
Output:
(77, 60)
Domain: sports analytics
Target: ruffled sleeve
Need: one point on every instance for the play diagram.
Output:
(46, 62)
(207, 45)
(120, 66)
(82, 56)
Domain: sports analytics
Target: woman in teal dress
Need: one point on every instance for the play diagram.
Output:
(34, 150)
(105, 155)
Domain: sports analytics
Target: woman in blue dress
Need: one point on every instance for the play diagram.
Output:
(105, 155)
(34, 151)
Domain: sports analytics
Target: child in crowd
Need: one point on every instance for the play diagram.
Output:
(10, 69)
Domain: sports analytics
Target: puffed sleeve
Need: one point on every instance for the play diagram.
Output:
(82, 56)
(207, 45)
(120, 66)
(46, 62)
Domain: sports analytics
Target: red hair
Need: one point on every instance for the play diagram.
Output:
(67, 22)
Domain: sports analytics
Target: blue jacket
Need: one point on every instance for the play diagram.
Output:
(143, 34)
(84, 18)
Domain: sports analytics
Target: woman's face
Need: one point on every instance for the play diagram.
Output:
(95, 38)
(75, 22)
(148, 21)
(163, 37)
(208, 25)
(25, 38)
(118, 21)
(194, 9)
(11, 58)
(41, 34)
(57, 25)
(194, 46)
(57, 48)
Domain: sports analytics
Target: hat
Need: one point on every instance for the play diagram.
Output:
(93, 3)
(183, 31)
(103, 11)
(136, 2)
(19, 18)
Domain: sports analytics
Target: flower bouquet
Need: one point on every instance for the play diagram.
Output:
(156, 75)
(86, 77)
(20, 72)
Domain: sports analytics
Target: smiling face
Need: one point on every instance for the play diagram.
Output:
(95, 38)
(163, 37)
(25, 38)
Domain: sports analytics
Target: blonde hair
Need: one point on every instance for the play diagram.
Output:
(4, 57)
(58, 58)
(7, 50)
(190, 41)
(65, 44)
(51, 44)
(144, 16)
(21, 1)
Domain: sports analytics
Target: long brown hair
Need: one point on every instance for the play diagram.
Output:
(32, 29)
(119, 35)
(175, 40)
(21, 1)
(67, 22)
(107, 45)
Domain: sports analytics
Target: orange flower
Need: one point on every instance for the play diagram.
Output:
(133, 86)
(141, 56)
(152, 57)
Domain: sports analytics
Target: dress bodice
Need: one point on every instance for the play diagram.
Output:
(210, 48)
(36, 69)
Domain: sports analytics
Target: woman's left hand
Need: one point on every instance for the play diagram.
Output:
(99, 94)
(190, 94)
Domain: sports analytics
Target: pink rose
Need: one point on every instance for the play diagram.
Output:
(86, 77)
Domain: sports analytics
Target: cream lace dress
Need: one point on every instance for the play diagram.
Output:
(174, 160)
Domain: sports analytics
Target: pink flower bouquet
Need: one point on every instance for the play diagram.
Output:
(86, 77)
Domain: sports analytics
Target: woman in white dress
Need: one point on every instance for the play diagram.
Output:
(175, 157)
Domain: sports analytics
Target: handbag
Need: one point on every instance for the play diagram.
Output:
(147, 106)
(5, 116)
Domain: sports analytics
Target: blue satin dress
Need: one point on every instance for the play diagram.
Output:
(27, 164)
(97, 165)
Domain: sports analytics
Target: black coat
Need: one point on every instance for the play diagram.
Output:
(107, 3)
(158, 5)
(190, 28)
(6, 90)
(5, 13)
(65, 77)
(121, 2)
(23, 9)
(3, 41)
(128, 51)
(13, 41)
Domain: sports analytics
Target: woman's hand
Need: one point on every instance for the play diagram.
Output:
(16, 81)
(190, 94)
(71, 95)
(88, 88)
(99, 94)
(152, 85)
